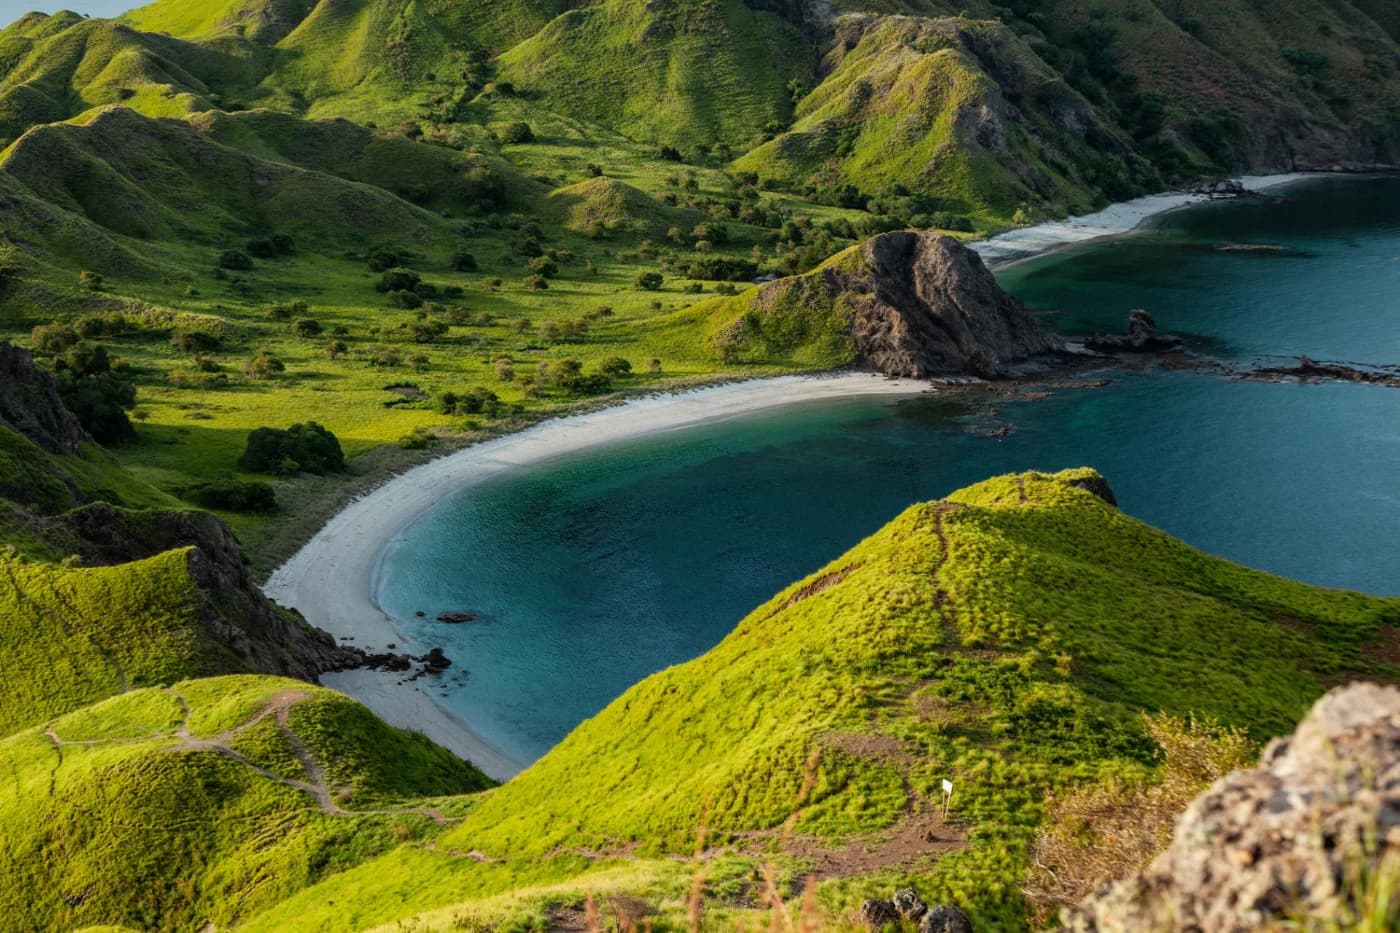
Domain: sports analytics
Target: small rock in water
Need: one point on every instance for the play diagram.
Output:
(456, 618)
(435, 662)
(944, 919)
(909, 904)
(420, 613)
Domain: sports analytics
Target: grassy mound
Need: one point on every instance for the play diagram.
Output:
(604, 205)
(190, 806)
(1008, 638)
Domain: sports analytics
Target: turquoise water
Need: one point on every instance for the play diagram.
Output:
(594, 570)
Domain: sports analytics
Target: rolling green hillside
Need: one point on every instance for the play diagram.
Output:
(422, 223)
(1008, 637)
(177, 808)
(963, 109)
(712, 71)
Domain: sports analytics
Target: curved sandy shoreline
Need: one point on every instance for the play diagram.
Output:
(1115, 220)
(331, 580)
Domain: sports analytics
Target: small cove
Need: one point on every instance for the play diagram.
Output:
(595, 569)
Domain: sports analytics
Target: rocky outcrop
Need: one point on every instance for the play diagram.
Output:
(1302, 835)
(909, 304)
(1142, 337)
(29, 403)
(926, 305)
(234, 613)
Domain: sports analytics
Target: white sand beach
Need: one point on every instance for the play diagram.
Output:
(1115, 220)
(332, 579)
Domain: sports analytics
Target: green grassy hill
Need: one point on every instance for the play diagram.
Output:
(406, 204)
(676, 73)
(1008, 638)
(192, 805)
(960, 108)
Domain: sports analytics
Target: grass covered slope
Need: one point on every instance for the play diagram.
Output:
(188, 807)
(957, 108)
(1008, 638)
(677, 73)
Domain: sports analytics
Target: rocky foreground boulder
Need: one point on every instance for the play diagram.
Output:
(909, 304)
(1305, 837)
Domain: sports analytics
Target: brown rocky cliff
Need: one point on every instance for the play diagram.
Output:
(925, 305)
(1298, 840)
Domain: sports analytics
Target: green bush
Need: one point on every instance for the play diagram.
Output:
(235, 261)
(398, 280)
(649, 281)
(302, 448)
(233, 495)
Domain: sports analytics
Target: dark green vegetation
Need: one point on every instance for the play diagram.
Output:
(226, 224)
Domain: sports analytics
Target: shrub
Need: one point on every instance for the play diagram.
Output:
(264, 366)
(233, 495)
(398, 280)
(474, 401)
(306, 328)
(517, 133)
(100, 401)
(418, 439)
(302, 448)
(235, 261)
(52, 339)
(382, 260)
(90, 281)
(463, 261)
(649, 281)
(84, 359)
(537, 283)
(616, 367)
(405, 299)
(195, 342)
(669, 154)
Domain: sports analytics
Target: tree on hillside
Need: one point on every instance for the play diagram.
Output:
(302, 448)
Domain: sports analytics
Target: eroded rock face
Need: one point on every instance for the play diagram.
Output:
(266, 637)
(925, 305)
(29, 403)
(1293, 837)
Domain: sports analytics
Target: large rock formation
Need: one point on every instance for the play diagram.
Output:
(916, 305)
(1302, 835)
(926, 305)
(29, 404)
(233, 611)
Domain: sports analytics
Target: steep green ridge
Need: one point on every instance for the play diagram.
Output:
(960, 108)
(1007, 638)
(177, 808)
